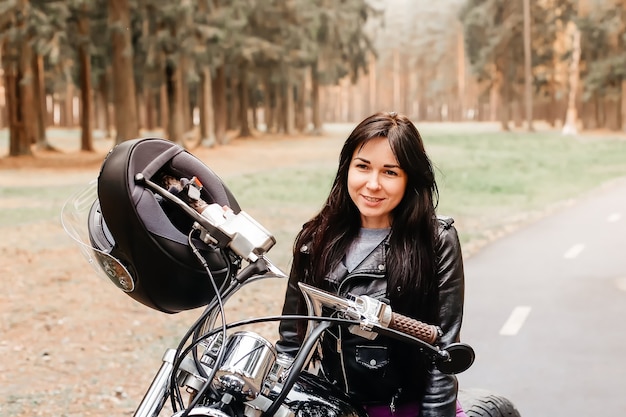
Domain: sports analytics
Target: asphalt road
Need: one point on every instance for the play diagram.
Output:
(545, 311)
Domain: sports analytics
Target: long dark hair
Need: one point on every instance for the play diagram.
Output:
(411, 256)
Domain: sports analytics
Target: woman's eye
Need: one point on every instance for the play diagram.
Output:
(392, 173)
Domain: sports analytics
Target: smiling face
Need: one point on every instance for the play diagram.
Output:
(376, 183)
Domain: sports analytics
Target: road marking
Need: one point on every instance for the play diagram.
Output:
(516, 320)
(574, 251)
(613, 217)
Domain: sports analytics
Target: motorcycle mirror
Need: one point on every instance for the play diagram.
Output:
(459, 358)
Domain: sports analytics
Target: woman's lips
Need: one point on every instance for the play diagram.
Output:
(372, 200)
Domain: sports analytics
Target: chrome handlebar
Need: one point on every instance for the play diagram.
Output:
(372, 314)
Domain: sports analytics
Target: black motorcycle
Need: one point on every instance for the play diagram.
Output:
(165, 230)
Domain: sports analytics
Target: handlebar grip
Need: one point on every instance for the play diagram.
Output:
(426, 332)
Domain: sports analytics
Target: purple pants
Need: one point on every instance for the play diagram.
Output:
(405, 410)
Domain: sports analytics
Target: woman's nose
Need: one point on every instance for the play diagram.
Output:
(373, 183)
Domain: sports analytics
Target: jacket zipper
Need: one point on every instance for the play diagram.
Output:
(392, 404)
(339, 339)
(341, 361)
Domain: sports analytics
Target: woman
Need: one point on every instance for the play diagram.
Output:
(378, 234)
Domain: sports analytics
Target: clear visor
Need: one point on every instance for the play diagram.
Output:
(80, 213)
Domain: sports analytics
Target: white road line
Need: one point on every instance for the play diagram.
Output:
(574, 251)
(516, 321)
(613, 217)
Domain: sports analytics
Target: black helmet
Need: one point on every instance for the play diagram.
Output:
(140, 241)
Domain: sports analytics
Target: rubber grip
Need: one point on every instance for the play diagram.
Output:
(426, 332)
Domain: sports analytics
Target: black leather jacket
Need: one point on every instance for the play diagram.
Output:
(384, 371)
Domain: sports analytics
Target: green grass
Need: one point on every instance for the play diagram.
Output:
(300, 186)
(281, 200)
(486, 181)
(28, 204)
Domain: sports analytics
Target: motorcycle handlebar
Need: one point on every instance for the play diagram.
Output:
(426, 332)
(369, 311)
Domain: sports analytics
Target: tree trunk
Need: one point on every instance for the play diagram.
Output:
(300, 115)
(40, 99)
(571, 117)
(396, 80)
(405, 97)
(280, 107)
(142, 115)
(151, 109)
(601, 112)
(19, 143)
(185, 98)
(494, 97)
(207, 122)
(614, 111)
(123, 78)
(518, 113)
(67, 118)
(27, 93)
(289, 104)
(232, 102)
(623, 105)
(372, 90)
(164, 108)
(269, 107)
(505, 106)
(551, 114)
(315, 100)
(174, 99)
(244, 102)
(460, 72)
(103, 100)
(84, 57)
(528, 76)
(219, 104)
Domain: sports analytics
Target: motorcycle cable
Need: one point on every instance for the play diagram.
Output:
(298, 363)
(198, 328)
(176, 395)
(301, 358)
(312, 339)
(257, 267)
(253, 268)
(182, 353)
(309, 344)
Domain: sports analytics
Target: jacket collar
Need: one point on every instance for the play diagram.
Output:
(374, 264)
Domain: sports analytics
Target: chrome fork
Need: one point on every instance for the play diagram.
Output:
(154, 399)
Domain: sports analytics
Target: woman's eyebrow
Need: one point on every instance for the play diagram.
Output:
(368, 162)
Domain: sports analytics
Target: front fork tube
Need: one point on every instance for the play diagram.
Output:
(157, 394)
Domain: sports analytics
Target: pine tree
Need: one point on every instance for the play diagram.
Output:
(124, 92)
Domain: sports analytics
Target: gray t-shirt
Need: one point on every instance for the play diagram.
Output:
(363, 245)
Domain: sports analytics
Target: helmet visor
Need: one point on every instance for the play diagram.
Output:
(83, 222)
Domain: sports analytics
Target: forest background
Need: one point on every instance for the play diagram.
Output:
(519, 119)
(197, 69)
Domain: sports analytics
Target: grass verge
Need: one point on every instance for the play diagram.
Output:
(488, 182)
